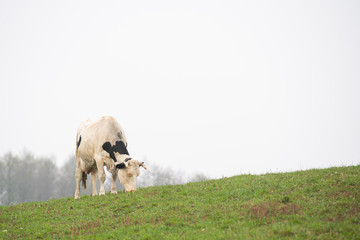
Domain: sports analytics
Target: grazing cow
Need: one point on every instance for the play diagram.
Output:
(102, 142)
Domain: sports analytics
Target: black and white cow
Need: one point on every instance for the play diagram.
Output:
(102, 143)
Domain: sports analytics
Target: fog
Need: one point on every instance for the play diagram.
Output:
(216, 87)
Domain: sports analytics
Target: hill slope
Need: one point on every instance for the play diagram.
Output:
(306, 204)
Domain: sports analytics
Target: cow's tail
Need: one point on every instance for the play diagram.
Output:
(83, 180)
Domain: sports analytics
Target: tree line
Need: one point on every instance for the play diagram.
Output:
(28, 178)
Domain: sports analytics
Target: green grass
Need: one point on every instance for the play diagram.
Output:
(309, 204)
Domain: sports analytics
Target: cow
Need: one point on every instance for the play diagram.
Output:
(100, 143)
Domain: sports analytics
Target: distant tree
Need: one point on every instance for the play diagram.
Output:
(17, 175)
(11, 165)
(22, 175)
(65, 183)
(26, 178)
(45, 177)
(2, 181)
(198, 177)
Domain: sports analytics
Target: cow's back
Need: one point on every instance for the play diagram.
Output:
(92, 134)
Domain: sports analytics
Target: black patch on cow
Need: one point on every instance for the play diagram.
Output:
(109, 149)
(78, 143)
(121, 165)
(119, 147)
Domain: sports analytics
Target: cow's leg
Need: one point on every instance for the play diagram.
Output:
(113, 184)
(78, 176)
(102, 176)
(94, 174)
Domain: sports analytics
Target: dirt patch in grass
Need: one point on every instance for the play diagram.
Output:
(286, 233)
(343, 194)
(351, 211)
(272, 209)
(148, 195)
(88, 227)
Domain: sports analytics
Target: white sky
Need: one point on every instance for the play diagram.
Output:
(219, 87)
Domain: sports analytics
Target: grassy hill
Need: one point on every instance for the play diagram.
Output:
(299, 205)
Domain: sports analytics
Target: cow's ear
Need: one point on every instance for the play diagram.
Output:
(121, 165)
(142, 165)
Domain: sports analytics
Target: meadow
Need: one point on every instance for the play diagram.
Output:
(311, 204)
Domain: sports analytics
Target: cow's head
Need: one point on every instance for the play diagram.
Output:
(129, 170)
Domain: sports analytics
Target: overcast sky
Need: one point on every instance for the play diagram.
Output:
(219, 87)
